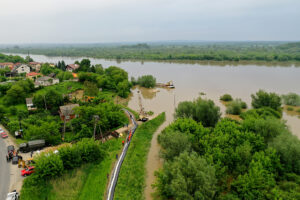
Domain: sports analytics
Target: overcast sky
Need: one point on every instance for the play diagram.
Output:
(82, 21)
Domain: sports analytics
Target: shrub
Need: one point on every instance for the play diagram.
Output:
(147, 81)
(298, 110)
(226, 97)
(291, 99)
(234, 108)
(263, 99)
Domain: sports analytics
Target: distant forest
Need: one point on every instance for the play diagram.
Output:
(198, 51)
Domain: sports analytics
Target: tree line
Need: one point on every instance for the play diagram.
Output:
(202, 52)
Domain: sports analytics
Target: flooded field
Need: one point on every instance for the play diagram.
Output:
(191, 79)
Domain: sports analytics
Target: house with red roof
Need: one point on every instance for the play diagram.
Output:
(72, 67)
(33, 75)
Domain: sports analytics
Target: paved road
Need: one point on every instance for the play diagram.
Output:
(4, 171)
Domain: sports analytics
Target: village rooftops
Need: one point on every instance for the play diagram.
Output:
(34, 63)
(33, 74)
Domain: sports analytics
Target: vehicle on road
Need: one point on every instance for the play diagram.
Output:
(12, 195)
(15, 160)
(32, 145)
(4, 135)
(28, 171)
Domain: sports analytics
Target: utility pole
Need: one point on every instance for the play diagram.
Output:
(96, 117)
(45, 102)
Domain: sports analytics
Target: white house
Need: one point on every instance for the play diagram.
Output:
(46, 81)
(22, 69)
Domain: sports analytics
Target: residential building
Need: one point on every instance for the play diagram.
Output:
(72, 67)
(45, 81)
(33, 75)
(22, 69)
(36, 66)
(67, 112)
(8, 64)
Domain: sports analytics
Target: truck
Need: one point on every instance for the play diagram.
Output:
(32, 146)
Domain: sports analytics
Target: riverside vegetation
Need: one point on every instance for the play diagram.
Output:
(209, 51)
(256, 158)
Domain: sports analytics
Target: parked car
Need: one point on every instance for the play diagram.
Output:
(4, 135)
(28, 171)
(12, 195)
(15, 160)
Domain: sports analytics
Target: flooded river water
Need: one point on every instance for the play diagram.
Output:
(190, 79)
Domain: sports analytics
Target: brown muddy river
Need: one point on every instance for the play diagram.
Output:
(190, 79)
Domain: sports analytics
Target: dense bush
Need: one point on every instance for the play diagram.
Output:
(261, 113)
(263, 99)
(200, 110)
(291, 99)
(84, 151)
(188, 177)
(48, 165)
(147, 81)
(226, 97)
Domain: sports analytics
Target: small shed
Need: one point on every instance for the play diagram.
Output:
(67, 112)
(29, 104)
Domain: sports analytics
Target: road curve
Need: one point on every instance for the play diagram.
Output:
(4, 171)
(114, 178)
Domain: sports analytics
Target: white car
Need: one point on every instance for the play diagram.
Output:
(12, 196)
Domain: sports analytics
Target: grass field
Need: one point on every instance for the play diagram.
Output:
(131, 180)
(86, 182)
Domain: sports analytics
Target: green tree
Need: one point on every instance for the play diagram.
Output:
(147, 81)
(188, 177)
(50, 100)
(226, 97)
(256, 184)
(90, 89)
(15, 95)
(288, 147)
(263, 99)
(173, 144)
(200, 110)
(291, 99)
